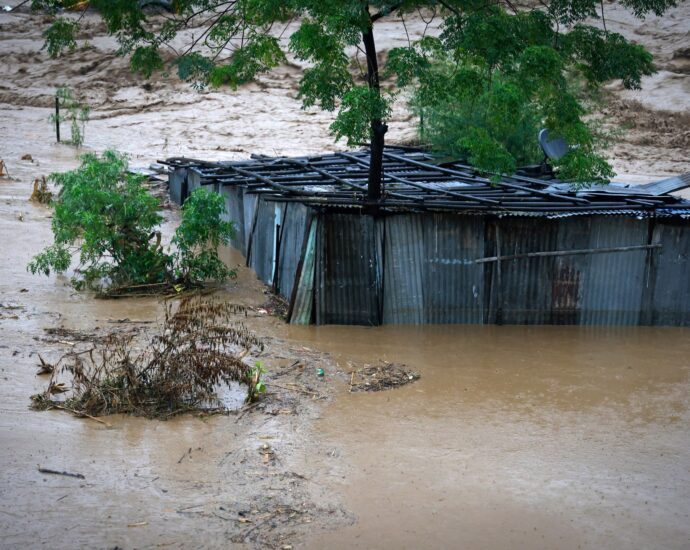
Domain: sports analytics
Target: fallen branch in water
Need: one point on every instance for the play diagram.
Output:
(55, 472)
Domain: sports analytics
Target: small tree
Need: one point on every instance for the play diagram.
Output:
(105, 216)
(531, 55)
(73, 111)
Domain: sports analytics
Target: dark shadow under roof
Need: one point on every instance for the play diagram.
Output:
(413, 182)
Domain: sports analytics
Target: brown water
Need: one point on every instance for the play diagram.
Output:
(538, 437)
(525, 437)
(520, 437)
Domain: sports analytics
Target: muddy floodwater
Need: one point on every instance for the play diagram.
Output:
(514, 437)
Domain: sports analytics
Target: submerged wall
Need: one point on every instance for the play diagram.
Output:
(344, 267)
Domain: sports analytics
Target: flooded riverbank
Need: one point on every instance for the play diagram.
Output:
(514, 437)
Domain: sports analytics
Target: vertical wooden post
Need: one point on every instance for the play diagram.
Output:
(57, 118)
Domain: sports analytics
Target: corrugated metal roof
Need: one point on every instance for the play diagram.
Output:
(412, 182)
(669, 185)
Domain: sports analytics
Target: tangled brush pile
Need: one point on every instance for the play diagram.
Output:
(198, 350)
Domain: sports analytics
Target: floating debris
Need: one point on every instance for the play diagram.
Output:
(381, 377)
(41, 194)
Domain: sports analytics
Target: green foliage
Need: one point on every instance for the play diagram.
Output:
(74, 112)
(105, 216)
(497, 74)
(360, 105)
(495, 79)
(256, 385)
(198, 237)
(146, 60)
(60, 36)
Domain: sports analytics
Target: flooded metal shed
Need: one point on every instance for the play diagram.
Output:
(446, 245)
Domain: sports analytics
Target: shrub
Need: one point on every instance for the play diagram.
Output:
(105, 216)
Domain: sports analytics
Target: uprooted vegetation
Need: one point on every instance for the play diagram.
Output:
(198, 351)
(105, 216)
(381, 377)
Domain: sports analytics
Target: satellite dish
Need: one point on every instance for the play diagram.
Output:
(553, 148)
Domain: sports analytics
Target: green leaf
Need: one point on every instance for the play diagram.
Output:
(60, 36)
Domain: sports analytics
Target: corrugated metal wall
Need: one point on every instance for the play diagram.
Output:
(177, 185)
(613, 283)
(249, 205)
(403, 281)
(292, 235)
(417, 268)
(234, 212)
(262, 247)
(420, 268)
(521, 293)
(429, 270)
(670, 275)
(193, 180)
(567, 279)
(347, 286)
(302, 305)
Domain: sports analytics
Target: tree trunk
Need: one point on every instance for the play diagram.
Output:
(378, 128)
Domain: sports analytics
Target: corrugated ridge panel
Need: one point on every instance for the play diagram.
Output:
(292, 239)
(348, 291)
(613, 288)
(403, 286)
(452, 281)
